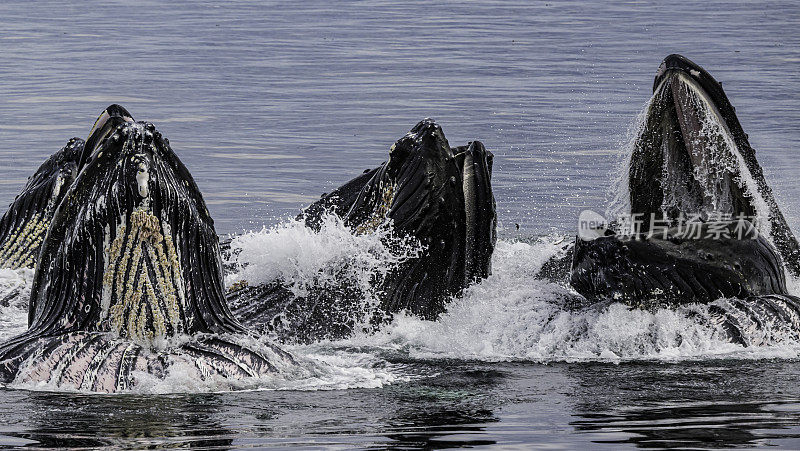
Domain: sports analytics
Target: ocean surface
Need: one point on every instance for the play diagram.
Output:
(271, 104)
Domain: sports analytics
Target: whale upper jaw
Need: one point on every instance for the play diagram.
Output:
(678, 64)
(108, 121)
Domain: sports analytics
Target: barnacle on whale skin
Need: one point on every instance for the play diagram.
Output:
(141, 281)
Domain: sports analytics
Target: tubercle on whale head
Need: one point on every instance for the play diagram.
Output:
(132, 248)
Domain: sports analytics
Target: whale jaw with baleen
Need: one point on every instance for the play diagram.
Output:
(130, 278)
(692, 159)
(691, 168)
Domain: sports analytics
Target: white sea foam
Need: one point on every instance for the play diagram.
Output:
(514, 316)
(15, 289)
(511, 316)
(301, 257)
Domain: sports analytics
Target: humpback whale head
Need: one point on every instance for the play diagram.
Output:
(131, 260)
(131, 249)
(691, 161)
(24, 225)
(442, 196)
(692, 158)
(438, 195)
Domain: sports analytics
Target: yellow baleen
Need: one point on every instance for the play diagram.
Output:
(142, 284)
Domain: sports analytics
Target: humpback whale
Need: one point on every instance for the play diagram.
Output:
(440, 196)
(129, 277)
(710, 226)
(25, 223)
(23, 226)
(693, 157)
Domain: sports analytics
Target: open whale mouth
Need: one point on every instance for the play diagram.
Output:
(693, 161)
(691, 169)
(689, 159)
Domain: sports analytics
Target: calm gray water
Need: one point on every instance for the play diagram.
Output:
(269, 105)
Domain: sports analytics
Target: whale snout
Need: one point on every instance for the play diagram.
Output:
(678, 63)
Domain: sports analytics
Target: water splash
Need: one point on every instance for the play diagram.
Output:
(510, 316)
(721, 156)
(15, 290)
(302, 258)
(618, 194)
(513, 316)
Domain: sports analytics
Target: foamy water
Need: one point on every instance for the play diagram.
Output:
(512, 315)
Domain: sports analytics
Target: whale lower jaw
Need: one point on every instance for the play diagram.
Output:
(676, 270)
(102, 362)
